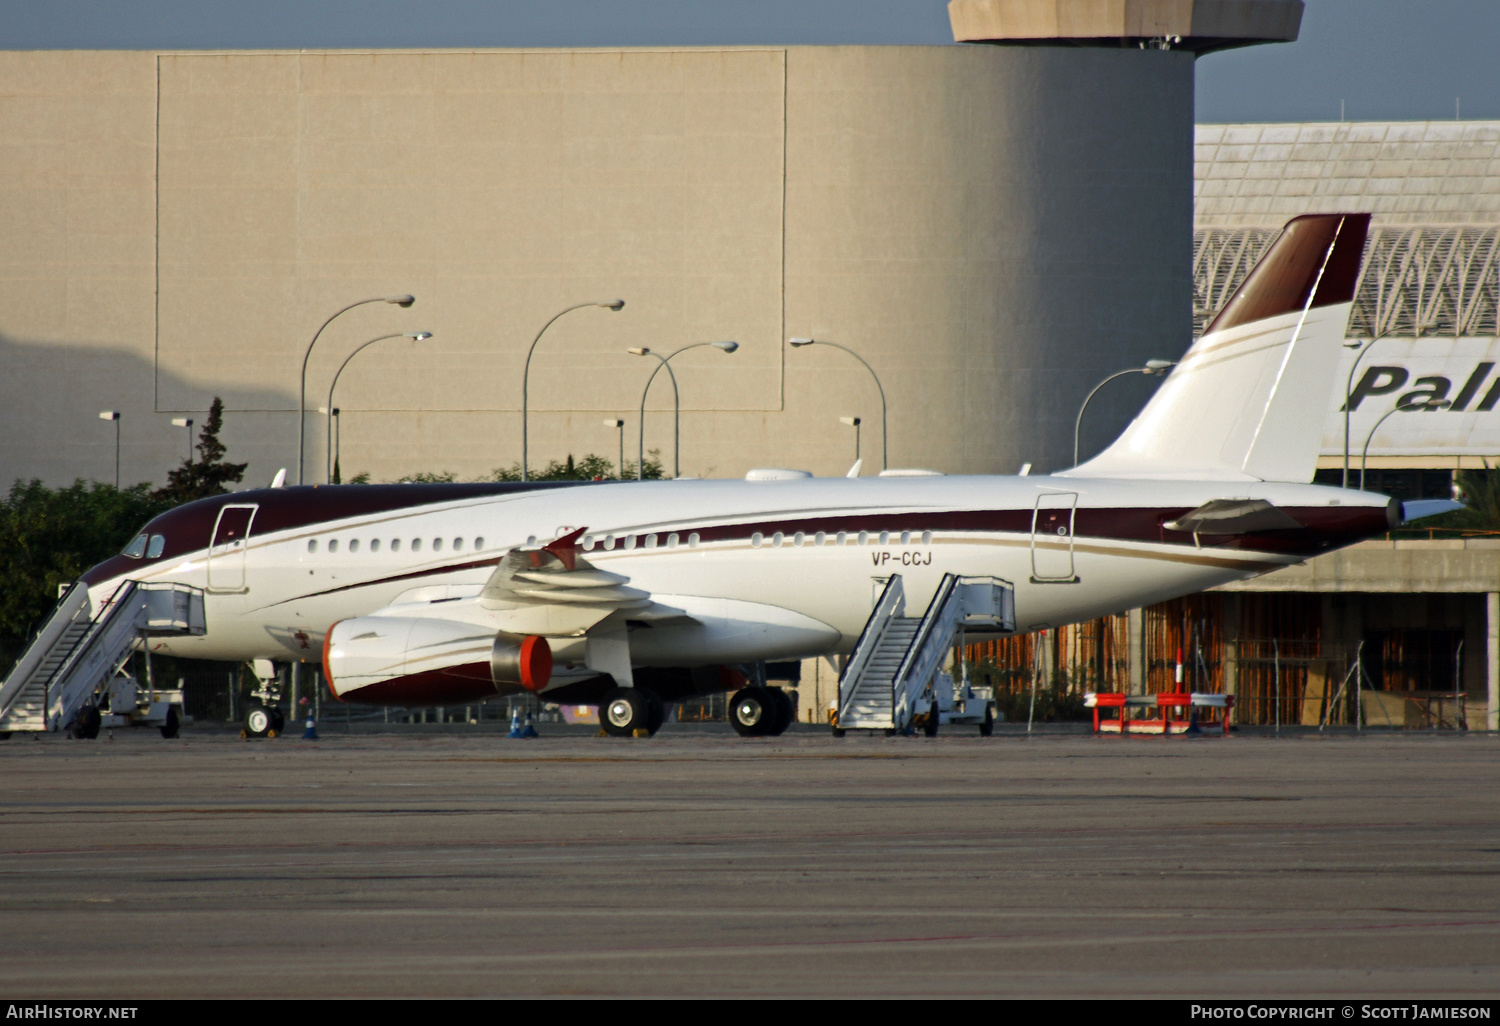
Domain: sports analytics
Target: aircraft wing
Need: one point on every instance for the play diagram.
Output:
(1233, 516)
(553, 591)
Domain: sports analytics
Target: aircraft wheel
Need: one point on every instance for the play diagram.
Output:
(752, 712)
(278, 720)
(786, 712)
(839, 732)
(86, 726)
(258, 722)
(930, 725)
(625, 711)
(173, 724)
(656, 712)
(988, 726)
(4, 735)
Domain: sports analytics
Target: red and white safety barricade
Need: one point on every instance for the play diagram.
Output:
(1176, 712)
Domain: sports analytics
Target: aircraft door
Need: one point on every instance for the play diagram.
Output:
(1052, 537)
(227, 549)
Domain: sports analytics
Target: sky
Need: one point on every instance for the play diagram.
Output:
(1385, 59)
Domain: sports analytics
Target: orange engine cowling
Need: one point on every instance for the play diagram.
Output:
(390, 660)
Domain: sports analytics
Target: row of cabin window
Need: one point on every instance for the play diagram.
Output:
(395, 544)
(757, 539)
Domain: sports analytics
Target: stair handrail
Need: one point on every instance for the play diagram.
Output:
(892, 598)
(913, 666)
(102, 618)
(53, 626)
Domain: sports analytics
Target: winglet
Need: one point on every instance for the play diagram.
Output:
(566, 548)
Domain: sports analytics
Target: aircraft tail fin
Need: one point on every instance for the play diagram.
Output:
(1249, 399)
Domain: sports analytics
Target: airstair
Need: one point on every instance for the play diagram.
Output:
(895, 673)
(75, 655)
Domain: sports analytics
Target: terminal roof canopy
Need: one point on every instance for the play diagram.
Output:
(1197, 25)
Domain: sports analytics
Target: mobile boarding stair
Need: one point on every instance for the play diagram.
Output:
(69, 669)
(895, 673)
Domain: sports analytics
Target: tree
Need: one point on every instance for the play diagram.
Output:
(48, 536)
(209, 473)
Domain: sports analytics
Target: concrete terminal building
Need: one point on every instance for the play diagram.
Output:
(988, 225)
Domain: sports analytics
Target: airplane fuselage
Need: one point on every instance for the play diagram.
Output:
(771, 570)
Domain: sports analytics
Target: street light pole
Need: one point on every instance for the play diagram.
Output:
(613, 304)
(885, 452)
(1155, 368)
(619, 425)
(338, 438)
(1398, 408)
(401, 301)
(640, 470)
(1348, 388)
(186, 422)
(415, 336)
(853, 422)
(114, 415)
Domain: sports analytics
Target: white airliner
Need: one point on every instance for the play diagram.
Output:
(631, 594)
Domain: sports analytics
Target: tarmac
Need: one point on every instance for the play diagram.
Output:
(459, 863)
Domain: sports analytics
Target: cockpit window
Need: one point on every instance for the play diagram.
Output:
(154, 547)
(137, 547)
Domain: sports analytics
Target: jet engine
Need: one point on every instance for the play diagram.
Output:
(392, 660)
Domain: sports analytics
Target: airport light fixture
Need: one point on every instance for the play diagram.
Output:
(186, 422)
(614, 304)
(114, 415)
(1348, 395)
(402, 301)
(1154, 368)
(338, 438)
(853, 422)
(619, 424)
(885, 450)
(666, 361)
(415, 336)
(1364, 456)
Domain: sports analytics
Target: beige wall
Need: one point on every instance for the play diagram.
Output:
(992, 228)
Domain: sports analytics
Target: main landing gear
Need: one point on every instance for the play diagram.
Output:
(759, 711)
(631, 712)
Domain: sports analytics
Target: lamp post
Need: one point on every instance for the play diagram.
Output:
(885, 452)
(338, 437)
(1398, 408)
(1156, 368)
(186, 422)
(613, 304)
(114, 415)
(677, 408)
(415, 336)
(853, 422)
(1348, 388)
(666, 361)
(401, 301)
(619, 425)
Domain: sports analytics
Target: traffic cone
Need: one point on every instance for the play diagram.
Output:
(517, 730)
(530, 730)
(311, 733)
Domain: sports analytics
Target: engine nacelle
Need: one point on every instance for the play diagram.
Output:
(394, 660)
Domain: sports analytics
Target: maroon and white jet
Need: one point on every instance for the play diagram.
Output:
(643, 591)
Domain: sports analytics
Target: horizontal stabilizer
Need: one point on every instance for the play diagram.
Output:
(1419, 508)
(1233, 516)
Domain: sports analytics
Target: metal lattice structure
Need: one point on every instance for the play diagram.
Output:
(1419, 281)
